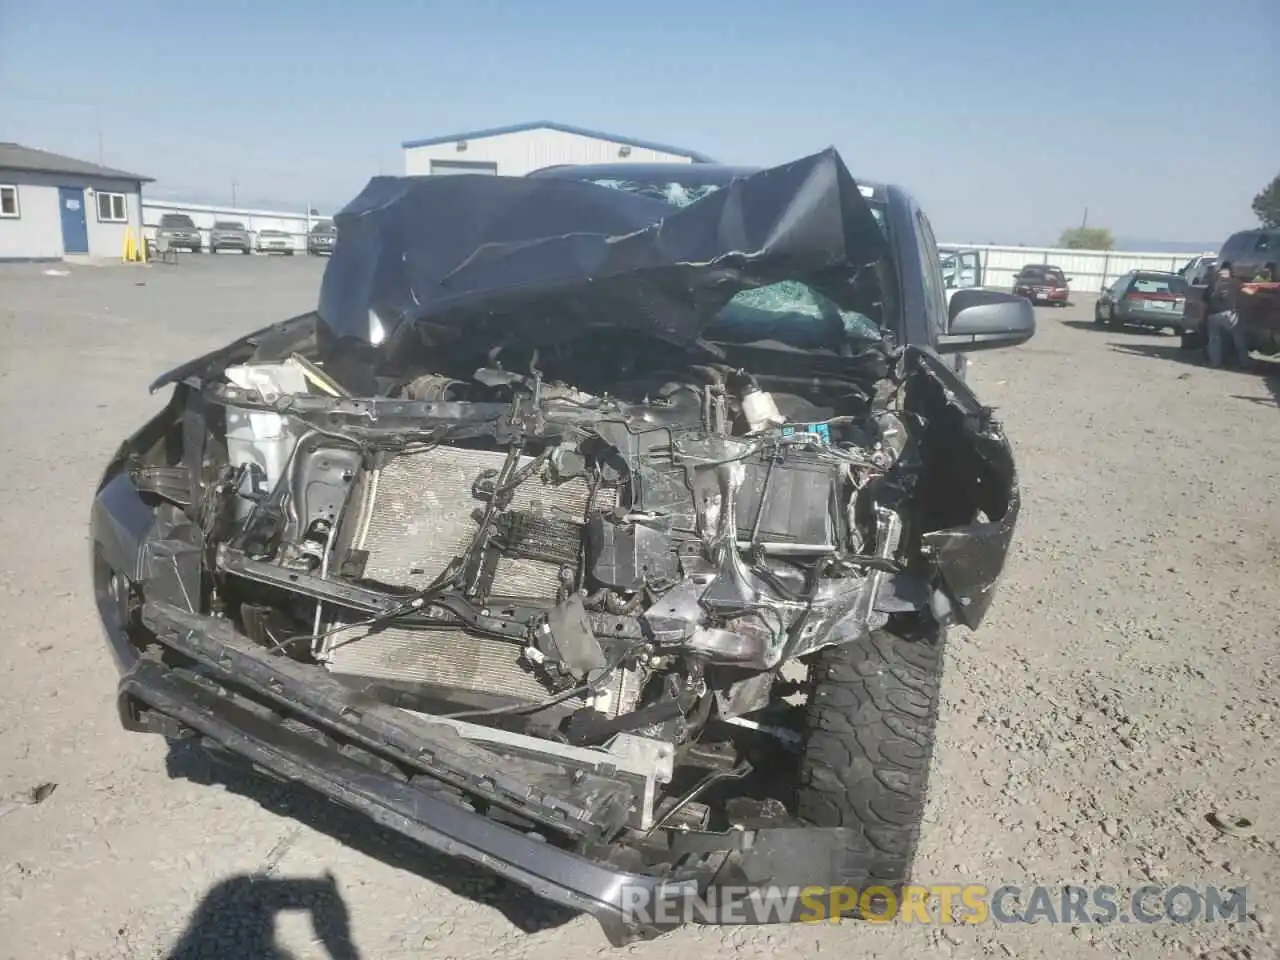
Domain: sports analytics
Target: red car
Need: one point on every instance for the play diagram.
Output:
(1041, 283)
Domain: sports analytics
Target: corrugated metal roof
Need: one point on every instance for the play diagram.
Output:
(14, 156)
(563, 128)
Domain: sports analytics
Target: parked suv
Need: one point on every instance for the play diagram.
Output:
(229, 235)
(1253, 254)
(181, 232)
(322, 238)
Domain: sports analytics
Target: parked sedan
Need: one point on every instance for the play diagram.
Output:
(275, 241)
(229, 235)
(1041, 283)
(1144, 298)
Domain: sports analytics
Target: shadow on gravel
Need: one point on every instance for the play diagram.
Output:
(1104, 328)
(187, 760)
(1269, 373)
(1271, 377)
(1161, 351)
(237, 919)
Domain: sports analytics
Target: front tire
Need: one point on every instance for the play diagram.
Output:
(870, 728)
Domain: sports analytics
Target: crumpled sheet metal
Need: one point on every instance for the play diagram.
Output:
(548, 259)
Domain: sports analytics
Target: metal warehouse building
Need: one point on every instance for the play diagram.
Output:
(53, 206)
(516, 150)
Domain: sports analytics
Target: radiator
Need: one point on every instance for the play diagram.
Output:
(419, 510)
(417, 516)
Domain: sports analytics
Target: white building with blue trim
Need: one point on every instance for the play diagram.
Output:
(53, 206)
(515, 150)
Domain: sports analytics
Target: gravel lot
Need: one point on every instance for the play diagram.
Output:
(1126, 686)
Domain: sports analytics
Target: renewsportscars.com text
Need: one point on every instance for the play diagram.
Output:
(940, 904)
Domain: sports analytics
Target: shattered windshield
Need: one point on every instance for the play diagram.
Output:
(676, 194)
(794, 313)
(790, 311)
(682, 194)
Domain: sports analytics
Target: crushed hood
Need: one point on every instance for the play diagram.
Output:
(548, 259)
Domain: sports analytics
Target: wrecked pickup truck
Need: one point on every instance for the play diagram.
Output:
(606, 541)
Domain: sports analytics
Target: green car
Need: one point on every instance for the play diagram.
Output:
(1144, 298)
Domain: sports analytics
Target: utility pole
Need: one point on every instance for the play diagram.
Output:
(233, 191)
(1084, 221)
(98, 111)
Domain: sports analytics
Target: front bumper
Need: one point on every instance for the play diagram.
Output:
(1043, 296)
(154, 697)
(220, 694)
(180, 240)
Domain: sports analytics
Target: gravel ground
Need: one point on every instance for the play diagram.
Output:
(1124, 688)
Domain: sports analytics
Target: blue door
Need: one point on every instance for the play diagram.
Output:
(75, 232)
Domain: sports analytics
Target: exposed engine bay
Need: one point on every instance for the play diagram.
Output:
(569, 570)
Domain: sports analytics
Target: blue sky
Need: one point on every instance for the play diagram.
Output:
(1005, 118)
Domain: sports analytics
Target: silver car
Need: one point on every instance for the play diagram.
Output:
(275, 241)
(228, 235)
(1144, 298)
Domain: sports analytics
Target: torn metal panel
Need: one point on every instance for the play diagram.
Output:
(483, 256)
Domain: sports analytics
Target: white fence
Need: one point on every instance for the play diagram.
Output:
(297, 224)
(1090, 270)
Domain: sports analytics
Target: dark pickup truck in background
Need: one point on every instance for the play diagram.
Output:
(1259, 308)
(1251, 256)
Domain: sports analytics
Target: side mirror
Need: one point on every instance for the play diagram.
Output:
(1070, 280)
(987, 320)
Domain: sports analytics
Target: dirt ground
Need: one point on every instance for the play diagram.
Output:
(1125, 687)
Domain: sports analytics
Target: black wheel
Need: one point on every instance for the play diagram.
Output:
(288, 253)
(1097, 317)
(870, 728)
(245, 251)
(1192, 340)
